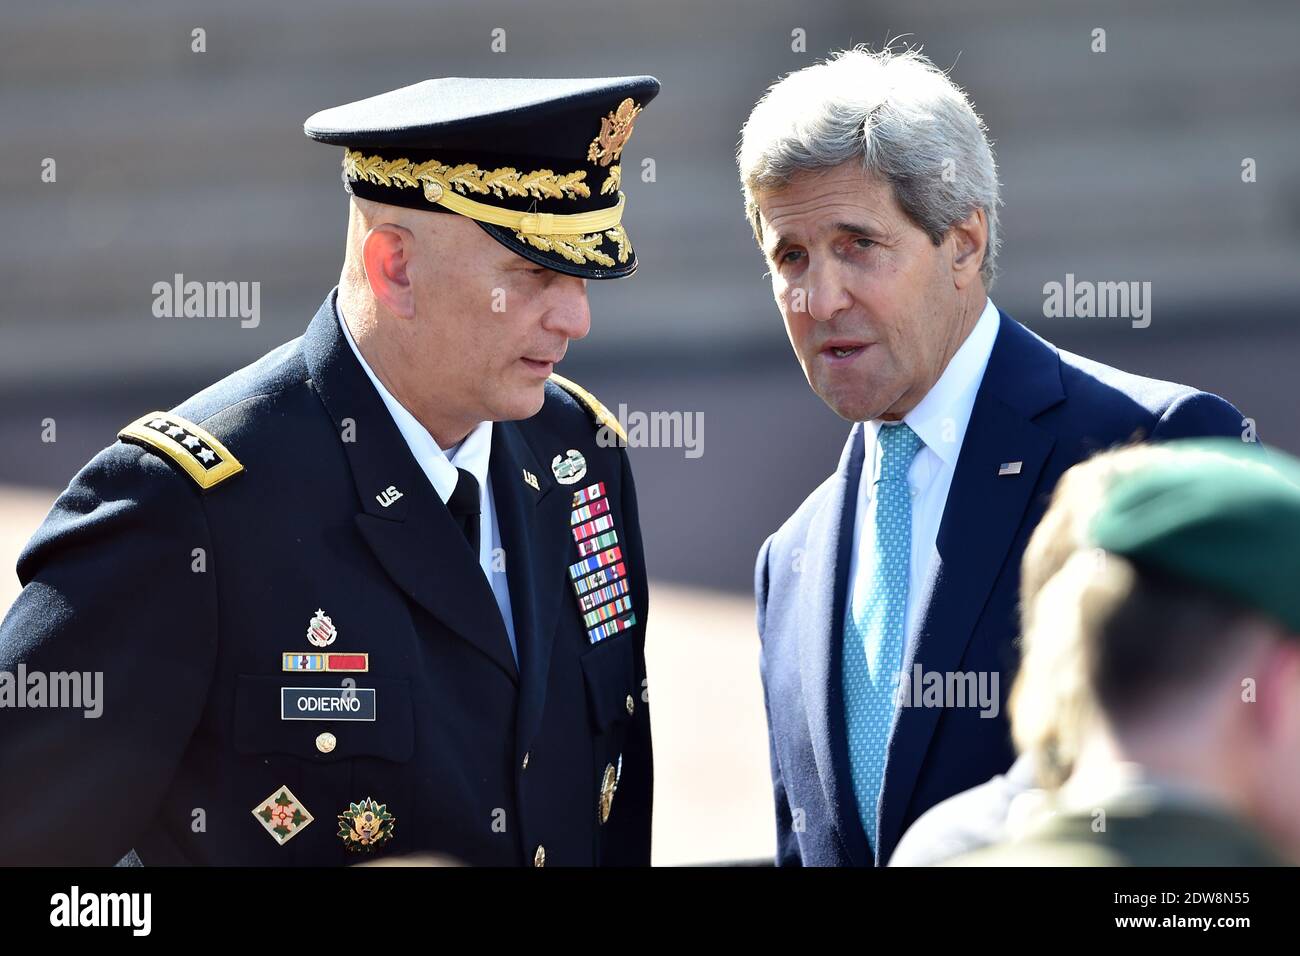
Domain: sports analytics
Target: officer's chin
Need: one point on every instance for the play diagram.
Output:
(523, 401)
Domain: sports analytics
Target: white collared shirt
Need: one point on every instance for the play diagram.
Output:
(472, 454)
(940, 421)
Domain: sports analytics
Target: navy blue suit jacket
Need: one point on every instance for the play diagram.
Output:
(1046, 408)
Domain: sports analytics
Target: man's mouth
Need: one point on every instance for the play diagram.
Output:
(540, 364)
(842, 350)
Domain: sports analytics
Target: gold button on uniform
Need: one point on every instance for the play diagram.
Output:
(539, 858)
(630, 705)
(326, 742)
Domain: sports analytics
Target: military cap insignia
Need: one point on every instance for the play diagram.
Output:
(197, 451)
(615, 131)
(365, 826)
(282, 815)
(599, 412)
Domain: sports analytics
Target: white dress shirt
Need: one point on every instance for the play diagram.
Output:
(940, 421)
(472, 454)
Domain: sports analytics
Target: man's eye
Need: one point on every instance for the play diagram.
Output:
(789, 257)
(864, 243)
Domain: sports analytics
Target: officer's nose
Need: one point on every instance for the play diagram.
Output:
(569, 312)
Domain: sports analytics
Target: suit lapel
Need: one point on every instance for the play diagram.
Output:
(534, 529)
(824, 593)
(983, 513)
(413, 536)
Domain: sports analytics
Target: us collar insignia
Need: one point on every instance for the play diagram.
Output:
(365, 826)
(282, 815)
(321, 630)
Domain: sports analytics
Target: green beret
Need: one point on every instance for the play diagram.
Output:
(1219, 513)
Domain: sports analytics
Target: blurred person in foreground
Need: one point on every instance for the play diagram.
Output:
(382, 591)
(1182, 630)
(995, 810)
(871, 188)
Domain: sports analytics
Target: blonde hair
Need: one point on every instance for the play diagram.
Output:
(1049, 700)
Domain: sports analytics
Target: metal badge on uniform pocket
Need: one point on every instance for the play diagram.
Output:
(282, 815)
(366, 826)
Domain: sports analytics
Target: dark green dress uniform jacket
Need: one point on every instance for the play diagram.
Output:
(1134, 834)
(193, 602)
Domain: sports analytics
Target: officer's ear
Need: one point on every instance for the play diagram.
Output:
(386, 253)
(970, 239)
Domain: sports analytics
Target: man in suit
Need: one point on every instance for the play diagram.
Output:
(886, 603)
(1181, 629)
(381, 592)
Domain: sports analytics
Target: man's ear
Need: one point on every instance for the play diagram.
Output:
(1275, 686)
(970, 238)
(386, 252)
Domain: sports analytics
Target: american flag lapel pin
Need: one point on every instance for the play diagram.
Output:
(1009, 468)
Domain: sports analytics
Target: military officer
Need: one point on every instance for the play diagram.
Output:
(381, 592)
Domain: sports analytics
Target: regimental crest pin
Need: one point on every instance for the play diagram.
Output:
(321, 630)
(282, 815)
(365, 826)
(569, 469)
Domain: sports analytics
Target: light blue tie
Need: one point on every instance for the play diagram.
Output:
(873, 632)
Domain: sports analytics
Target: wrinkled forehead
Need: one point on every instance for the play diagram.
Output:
(812, 205)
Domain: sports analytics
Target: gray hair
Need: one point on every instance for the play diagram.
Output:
(899, 115)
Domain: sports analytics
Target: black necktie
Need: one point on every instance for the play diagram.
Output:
(463, 505)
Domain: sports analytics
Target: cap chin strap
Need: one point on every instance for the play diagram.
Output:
(535, 223)
(438, 182)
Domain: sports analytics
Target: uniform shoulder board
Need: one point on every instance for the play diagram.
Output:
(599, 411)
(204, 458)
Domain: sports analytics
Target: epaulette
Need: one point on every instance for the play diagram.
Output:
(598, 411)
(204, 458)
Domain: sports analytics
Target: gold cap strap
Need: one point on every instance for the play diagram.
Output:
(536, 223)
(445, 186)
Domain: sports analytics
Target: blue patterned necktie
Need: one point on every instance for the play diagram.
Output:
(873, 633)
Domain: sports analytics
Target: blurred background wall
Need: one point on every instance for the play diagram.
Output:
(1116, 166)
